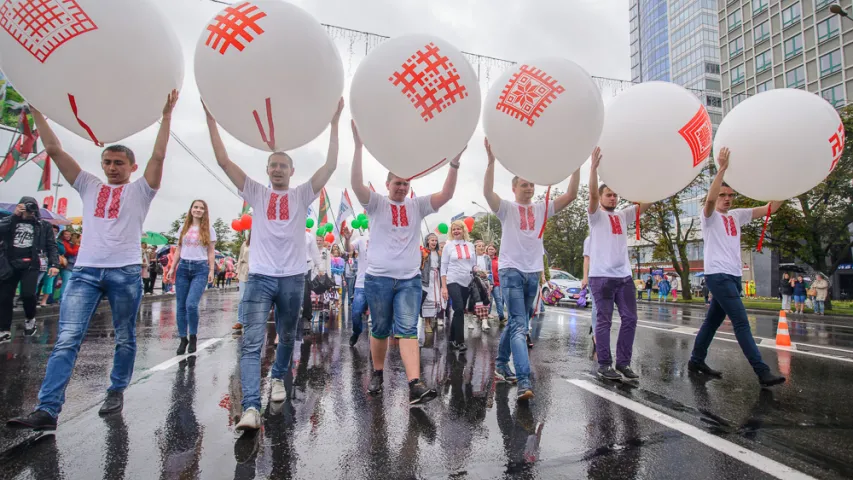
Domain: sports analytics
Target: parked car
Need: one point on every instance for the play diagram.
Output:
(568, 283)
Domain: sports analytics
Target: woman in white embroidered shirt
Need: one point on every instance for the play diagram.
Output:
(193, 271)
(457, 265)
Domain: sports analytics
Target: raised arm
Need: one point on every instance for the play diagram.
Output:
(439, 199)
(571, 194)
(235, 173)
(362, 193)
(492, 198)
(593, 180)
(68, 167)
(759, 212)
(324, 173)
(154, 169)
(347, 234)
(717, 184)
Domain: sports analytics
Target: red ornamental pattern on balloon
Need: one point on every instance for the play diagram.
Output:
(836, 141)
(235, 25)
(699, 135)
(429, 81)
(42, 26)
(528, 94)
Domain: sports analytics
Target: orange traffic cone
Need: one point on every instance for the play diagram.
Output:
(783, 339)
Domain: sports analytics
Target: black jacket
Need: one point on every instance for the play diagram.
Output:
(785, 287)
(43, 239)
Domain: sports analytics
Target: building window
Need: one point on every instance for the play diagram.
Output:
(735, 47)
(796, 78)
(735, 19)
(763, 87)
(834, 95)
(818, 4)
(713, 101)
(761, 32)
(736, 99)
(830, 63)
(736, 75)
(827, 29)
(791, 15)
(759, 6)
(712, 68)
(793, 45)
(763, 61)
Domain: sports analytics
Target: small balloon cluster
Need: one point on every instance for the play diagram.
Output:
(242, 223)
(324, 230)
(360, 222)
(443, 228)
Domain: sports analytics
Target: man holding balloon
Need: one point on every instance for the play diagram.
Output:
(721, 229)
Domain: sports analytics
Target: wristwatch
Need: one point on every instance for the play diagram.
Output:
(454, 165)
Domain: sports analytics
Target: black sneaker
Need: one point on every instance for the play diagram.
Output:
(191, 348)
(29, 332)
(419, 393)
(353, 339)
(461, 347)
(608, 373)
(768, 379)
(529, 341)
(5, 337)
(113, 404)
(626, 372)
(38, 421)
(182, 348)
(703, 367)
(505, 375)
(376, 381)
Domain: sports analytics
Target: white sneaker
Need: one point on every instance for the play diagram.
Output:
(440, 322)
(5, 337)
(251, 420)
(485, 325)
(470, 324)
(278, 394)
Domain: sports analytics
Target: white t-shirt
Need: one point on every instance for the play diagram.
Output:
(457, 261)
(191, 247)
(313, 252)
(396, 248)
(360, 245)
(484, 263)
(608, 246)
(722, 240)
(113, 216)
(521, 247)
(278, 223)
(586, 246)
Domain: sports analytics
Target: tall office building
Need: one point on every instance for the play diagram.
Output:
(768, 44)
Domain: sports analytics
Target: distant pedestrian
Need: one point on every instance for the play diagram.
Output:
(821, 288)
(786, 289)
(799, 296)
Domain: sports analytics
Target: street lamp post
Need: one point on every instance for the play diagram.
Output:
(488, 221)
(837, 10)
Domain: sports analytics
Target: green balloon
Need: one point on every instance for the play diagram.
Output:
(442, 228)
(355, 224)
(309, 223)
(329, 228)
(320, 232)
(361, 217)
(365, 223)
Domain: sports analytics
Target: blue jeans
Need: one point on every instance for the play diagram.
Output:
(262, 292)
(242, 289)
(123, 288)
(350, 290)
(519, 290)
(65, 275)
(190, 280)
(497, 296)
(393, 302)
(359, 306)
(819, 306)
(726, 300)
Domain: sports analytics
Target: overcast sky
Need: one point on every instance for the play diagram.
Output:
(593, 33)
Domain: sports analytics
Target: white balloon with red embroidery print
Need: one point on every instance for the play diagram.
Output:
(543, 118)
(783, 143)
(656, 139)
(116, 73)
(269, 73)
(416, 102)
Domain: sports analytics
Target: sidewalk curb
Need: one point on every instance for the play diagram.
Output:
(755, 311)
(53, 310)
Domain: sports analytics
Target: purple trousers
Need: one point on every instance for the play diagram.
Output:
(606, 291)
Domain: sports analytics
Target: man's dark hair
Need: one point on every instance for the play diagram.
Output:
(601, 188)
(120, 149)
(727, 185)
(289, 159)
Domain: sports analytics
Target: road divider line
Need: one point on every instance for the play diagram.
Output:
(176, 360)
(753, 459)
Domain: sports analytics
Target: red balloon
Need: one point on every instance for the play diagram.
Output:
(330, 238)
(237, 225)
(246, 221)
(469, 222)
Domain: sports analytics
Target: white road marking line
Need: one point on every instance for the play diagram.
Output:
(177, 360)
(766, 465)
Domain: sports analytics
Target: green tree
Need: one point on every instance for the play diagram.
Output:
(487, 229)
(223, 234)
(813, 228)
(175, 229)
(565, 233)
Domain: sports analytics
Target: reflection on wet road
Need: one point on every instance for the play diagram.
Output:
(179, 414)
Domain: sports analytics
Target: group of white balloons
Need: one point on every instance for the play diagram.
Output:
(272, 76)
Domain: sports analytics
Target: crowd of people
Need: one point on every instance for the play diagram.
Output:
(408, 284)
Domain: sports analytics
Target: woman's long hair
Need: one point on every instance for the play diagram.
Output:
(460, 224)
(203, 229)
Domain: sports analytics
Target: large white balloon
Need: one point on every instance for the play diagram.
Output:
(656, 139)
(269, 74)
(783, 143)
(102, 69)
(543, 118)
(416, 101)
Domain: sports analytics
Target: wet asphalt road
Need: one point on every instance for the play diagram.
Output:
(179, 416)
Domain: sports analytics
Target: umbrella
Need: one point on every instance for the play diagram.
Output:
(164, 251)
(46, 215)
(154, 238)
